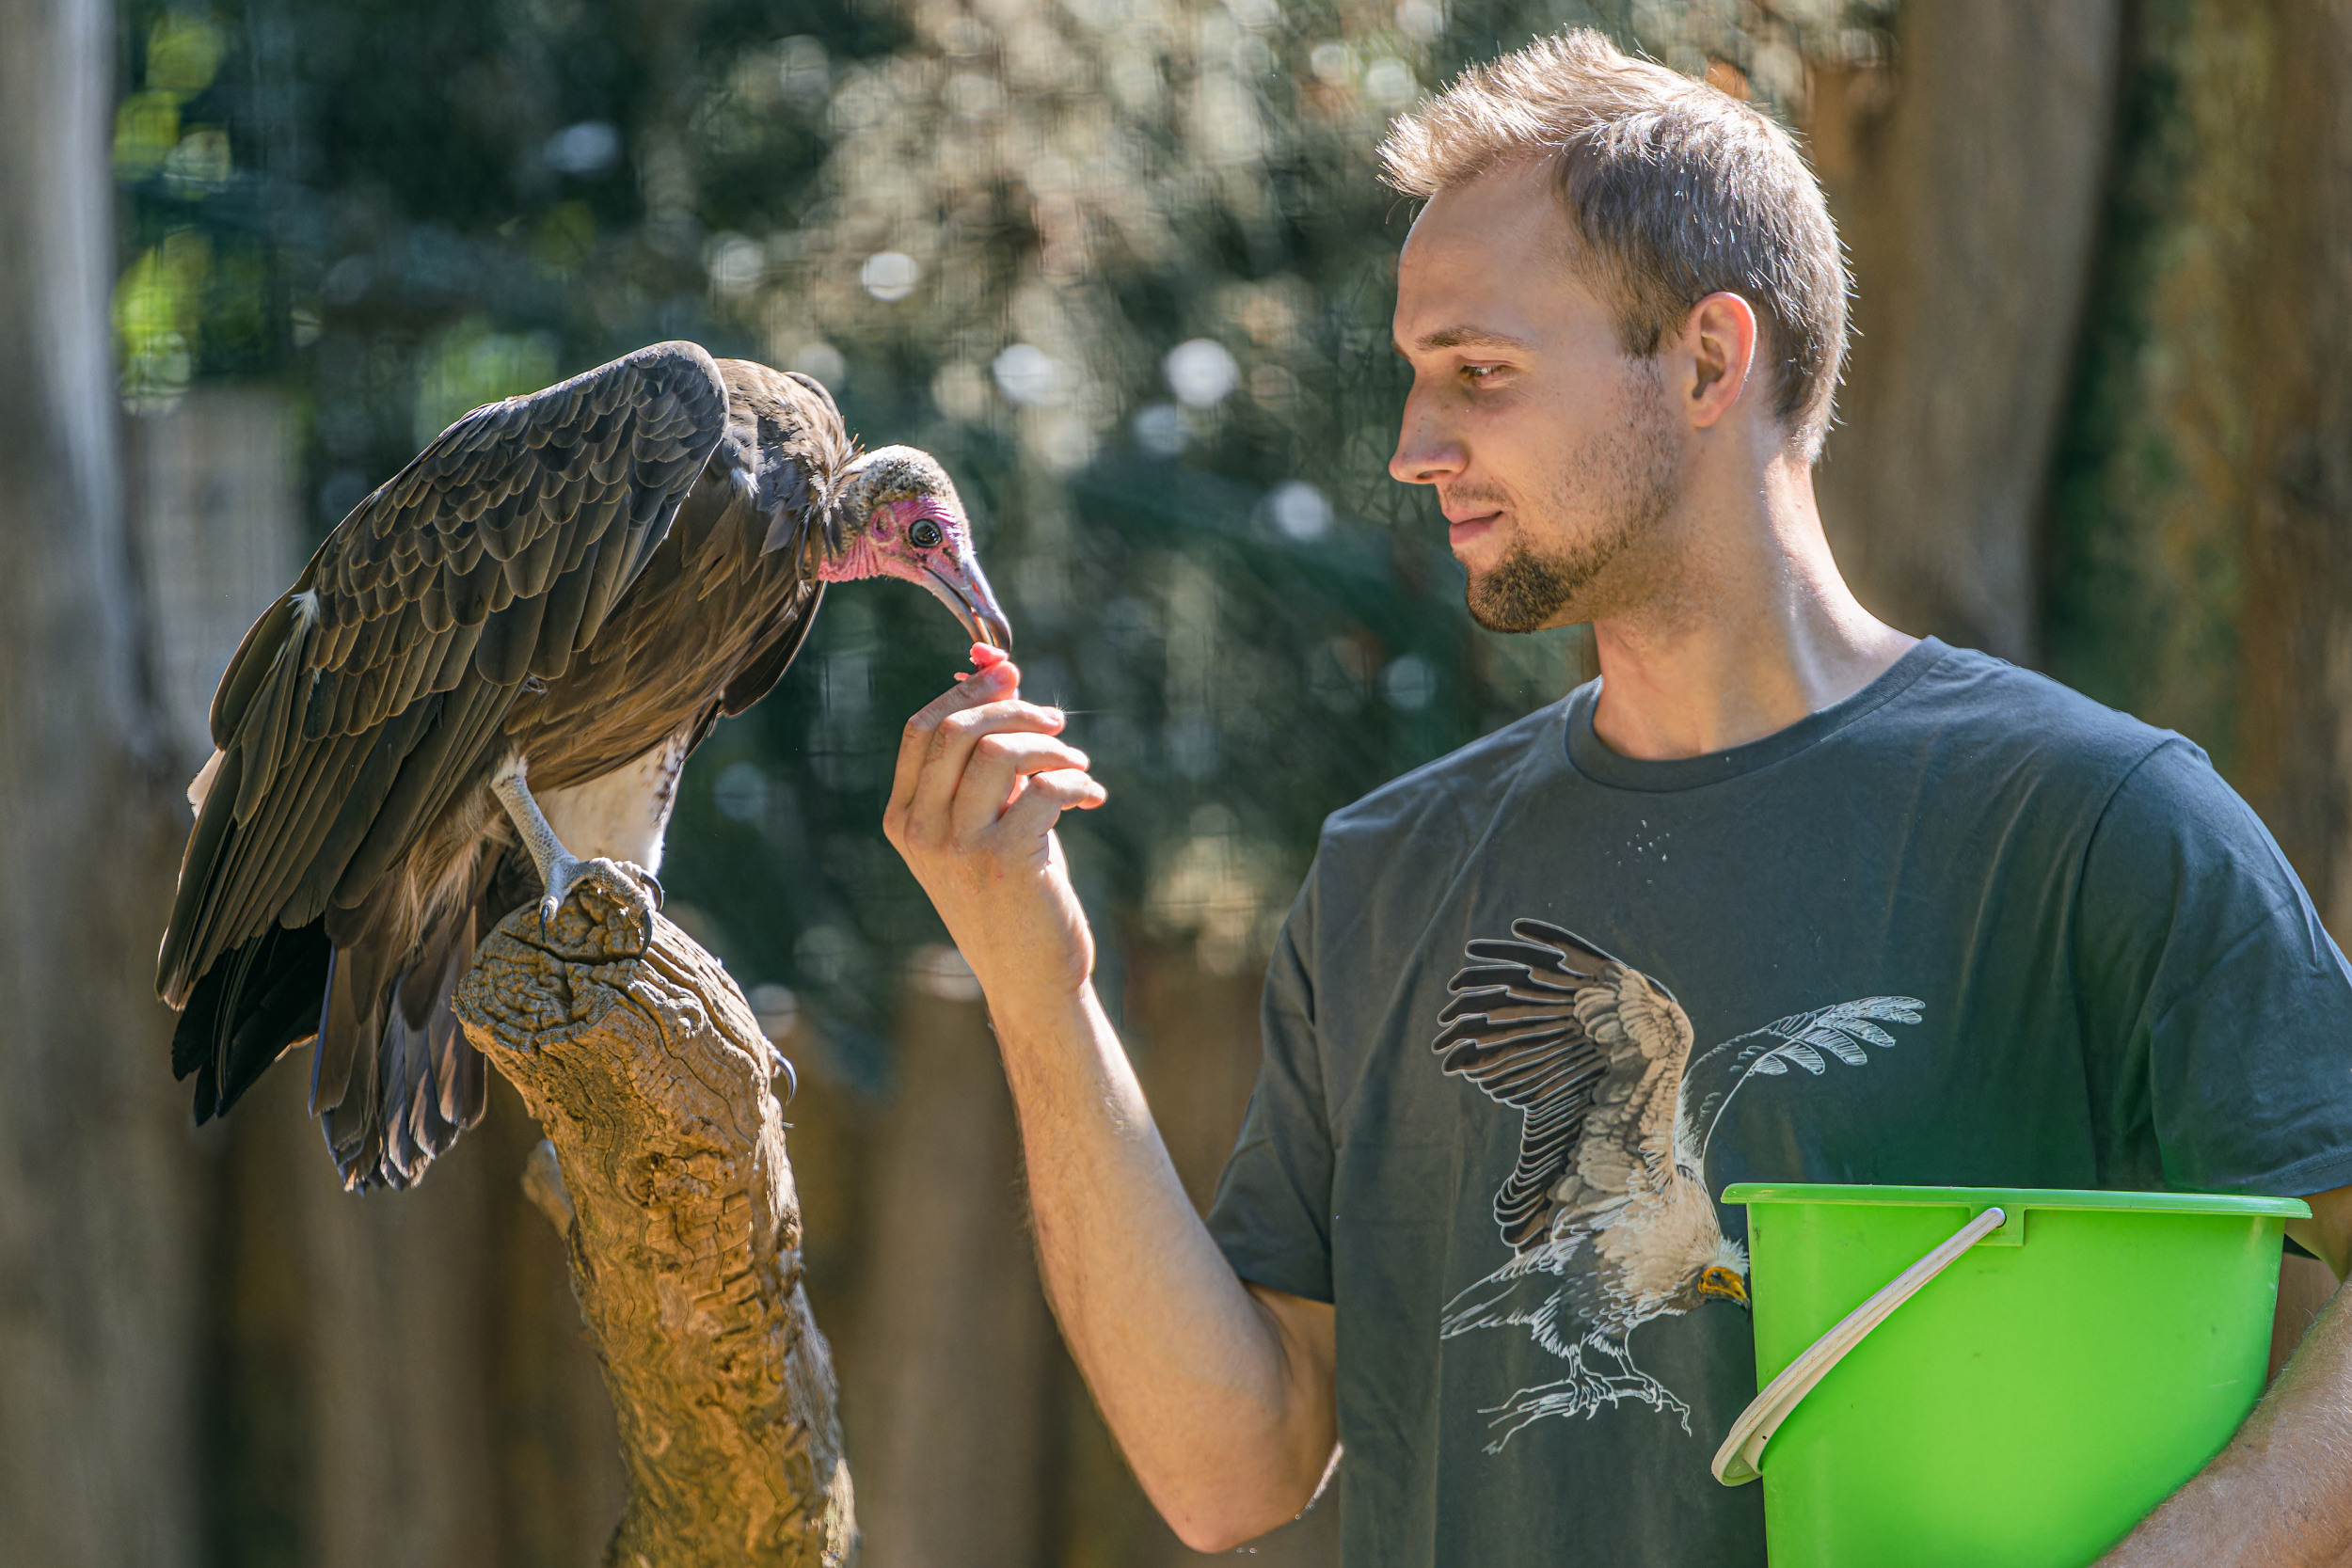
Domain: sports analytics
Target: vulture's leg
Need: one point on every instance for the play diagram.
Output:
(559, 869)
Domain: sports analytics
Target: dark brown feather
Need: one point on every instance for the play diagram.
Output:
(606, 538)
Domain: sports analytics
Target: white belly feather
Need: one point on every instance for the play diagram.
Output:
(622, 815)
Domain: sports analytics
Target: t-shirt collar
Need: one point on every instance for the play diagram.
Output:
(1591, 756)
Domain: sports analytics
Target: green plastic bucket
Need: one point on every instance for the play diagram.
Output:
(2053, 1366)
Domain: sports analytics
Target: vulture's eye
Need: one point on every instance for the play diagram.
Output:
(926, 534)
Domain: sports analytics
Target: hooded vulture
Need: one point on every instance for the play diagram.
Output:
(519, 636)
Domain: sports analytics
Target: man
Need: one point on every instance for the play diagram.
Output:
(1539, 1001)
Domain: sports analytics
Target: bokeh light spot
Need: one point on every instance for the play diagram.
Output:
(1159, 429)
(890, 276)
(1030, 376)
(1408, 683)
(587, 147)
(821, 360)
(1202, 372)
(1390, 83)
(1299, 510)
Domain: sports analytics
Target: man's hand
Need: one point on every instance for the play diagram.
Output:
(982, 778)
(1221, 1394)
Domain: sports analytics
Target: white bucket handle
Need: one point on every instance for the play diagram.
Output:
(1736, 1461)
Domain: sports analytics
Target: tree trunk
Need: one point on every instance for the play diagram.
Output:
(644, 1064)
(1970, 202)
(2151, 493)
(2295, 627)
(99, 1285)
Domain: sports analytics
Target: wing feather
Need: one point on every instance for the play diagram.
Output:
(759, 677)
(464, 545)
(1552, 1025)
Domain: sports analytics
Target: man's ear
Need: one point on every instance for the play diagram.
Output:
(1720, 337)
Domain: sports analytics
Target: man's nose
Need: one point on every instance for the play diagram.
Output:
(1425, 454)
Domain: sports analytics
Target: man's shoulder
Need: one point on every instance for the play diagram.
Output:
(1974, 720)
(1984, 713)
(1459, 790)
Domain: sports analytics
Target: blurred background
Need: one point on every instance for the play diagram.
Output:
(1124, 265)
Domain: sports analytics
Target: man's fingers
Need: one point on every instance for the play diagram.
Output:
(948, 754)
(998, 760)
(1000, 680)
(1044, 798)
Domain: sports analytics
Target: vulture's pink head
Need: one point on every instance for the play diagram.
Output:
(899, 517)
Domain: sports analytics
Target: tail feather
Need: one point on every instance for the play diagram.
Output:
(255, 1004)
(344, 1082)
(283, 1017)
(408, 1089)
(393, 1080)
(331, 1064)
(397, 1081)
(214, 820)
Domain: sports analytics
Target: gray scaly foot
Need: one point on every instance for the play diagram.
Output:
(559, 871)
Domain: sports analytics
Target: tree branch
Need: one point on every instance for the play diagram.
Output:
(645, 1069)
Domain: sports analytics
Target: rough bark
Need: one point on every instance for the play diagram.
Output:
(644, 1064)
(1969, 199)
(2296, 625)
(103, 1213)
(2151, 492)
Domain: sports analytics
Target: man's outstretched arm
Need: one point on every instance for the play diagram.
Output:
(1220, 1393)
(2281, 1494)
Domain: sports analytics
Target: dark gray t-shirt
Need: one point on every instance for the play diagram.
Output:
(1966, 928)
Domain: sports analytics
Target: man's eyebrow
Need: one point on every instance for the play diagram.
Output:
(1470, 337)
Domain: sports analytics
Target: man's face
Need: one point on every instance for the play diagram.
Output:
(1556, 456)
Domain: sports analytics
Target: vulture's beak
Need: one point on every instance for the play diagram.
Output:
(1723, 1285)
(958, 583)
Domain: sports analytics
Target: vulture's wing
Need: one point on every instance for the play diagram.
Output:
(362, 702)
(821, 449)
(1589, 1049)
(733, 592)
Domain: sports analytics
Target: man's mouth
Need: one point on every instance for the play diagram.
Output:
(1461, 530)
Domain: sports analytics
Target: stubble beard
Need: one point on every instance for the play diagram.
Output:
(1626, 480)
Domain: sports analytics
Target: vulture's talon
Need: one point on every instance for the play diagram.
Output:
(563, 873)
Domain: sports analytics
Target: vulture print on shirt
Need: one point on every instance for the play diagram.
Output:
(1607, 1211)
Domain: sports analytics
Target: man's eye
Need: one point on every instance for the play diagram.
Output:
(1476, 374)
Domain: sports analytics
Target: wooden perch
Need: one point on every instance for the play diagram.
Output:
(645, 1069)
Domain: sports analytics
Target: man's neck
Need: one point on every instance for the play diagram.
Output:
(1756, 630)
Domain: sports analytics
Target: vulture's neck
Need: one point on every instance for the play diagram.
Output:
(860, 560)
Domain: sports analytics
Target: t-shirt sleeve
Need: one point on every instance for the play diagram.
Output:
(2218, 1011)
(1272, 1213)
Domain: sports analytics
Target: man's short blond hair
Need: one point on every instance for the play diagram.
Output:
(1675, 190)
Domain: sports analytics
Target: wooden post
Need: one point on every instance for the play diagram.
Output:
(642, 1063)
(956, 1392)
